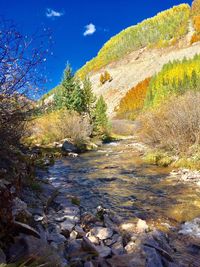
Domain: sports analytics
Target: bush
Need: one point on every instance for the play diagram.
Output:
(105, 77)
(59, 125)
(175, 125)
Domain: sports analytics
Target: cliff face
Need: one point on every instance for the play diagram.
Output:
(134, 68)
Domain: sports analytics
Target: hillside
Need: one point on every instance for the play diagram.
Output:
(134, 68)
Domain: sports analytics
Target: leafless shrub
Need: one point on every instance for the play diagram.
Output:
(175, 125)
(21, 59)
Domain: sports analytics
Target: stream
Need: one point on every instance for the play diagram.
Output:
(116, 177)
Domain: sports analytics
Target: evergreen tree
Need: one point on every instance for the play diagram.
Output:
(78, 98)
(69, 86)
(100, 116)
(90, 98)
(58, 98)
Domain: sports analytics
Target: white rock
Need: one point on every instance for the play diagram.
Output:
(142, 226)
(101, 232)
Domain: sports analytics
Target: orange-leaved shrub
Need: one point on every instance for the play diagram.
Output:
(133, 101)
(175, 125)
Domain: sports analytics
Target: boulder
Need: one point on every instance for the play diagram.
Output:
(29, 247)
(69, 147)
(101, 232)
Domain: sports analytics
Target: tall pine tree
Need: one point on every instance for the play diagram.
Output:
(100, 116)
(90, 98)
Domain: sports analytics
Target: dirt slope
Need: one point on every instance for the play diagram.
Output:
(134, 68)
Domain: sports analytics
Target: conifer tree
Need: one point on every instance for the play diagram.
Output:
(89, 96)
(77, 98)
(68, 87)
(100, 116)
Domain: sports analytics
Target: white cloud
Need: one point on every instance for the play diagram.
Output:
(50, 13)
(89, 29)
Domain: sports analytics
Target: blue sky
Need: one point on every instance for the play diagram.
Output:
(79, 27)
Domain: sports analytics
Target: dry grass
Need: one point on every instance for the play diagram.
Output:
(175, 125)
(57, 126)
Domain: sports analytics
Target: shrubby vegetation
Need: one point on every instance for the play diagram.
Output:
(175, 78)
(105, 77)
(159, 31)
(133, 102)
(174, 127)
(58, 125)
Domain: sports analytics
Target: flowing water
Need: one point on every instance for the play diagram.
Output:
(116, 177)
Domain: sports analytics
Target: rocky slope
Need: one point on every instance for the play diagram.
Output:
(135, 67)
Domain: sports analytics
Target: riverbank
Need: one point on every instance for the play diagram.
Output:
(140, 221)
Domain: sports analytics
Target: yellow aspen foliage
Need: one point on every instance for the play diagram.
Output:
(158, 31)
(175, 78)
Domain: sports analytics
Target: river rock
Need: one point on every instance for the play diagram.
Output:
(153, 258)
(87, 245)
(111, 241)
(118, 248)
(130, 247)
(73, 235)
(66, 227)
(38, 218)
(191, 228)
(56, 237)
(141, 226)
(20, 210)
(69, 147)
(101, 232)
(93, 239)
(73, 155)
(74, 247)
(28, 247)
(79, 231)
(104, 251)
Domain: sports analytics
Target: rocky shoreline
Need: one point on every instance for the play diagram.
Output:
(53, 229)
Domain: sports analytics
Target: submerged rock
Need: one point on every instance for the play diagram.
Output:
(191, 228)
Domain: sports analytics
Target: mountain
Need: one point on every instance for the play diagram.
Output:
(140, 52)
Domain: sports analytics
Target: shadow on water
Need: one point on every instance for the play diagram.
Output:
(116, 177)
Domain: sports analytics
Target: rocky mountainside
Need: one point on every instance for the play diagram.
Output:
(134, 68)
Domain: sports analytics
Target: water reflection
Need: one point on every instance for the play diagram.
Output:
(117, 178)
